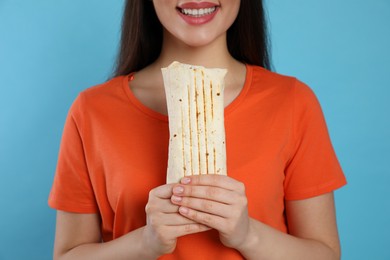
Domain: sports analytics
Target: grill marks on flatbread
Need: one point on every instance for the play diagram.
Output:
(196, 121)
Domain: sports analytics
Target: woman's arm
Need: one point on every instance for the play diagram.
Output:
(78, 236)
(313, 233)
(220, 202)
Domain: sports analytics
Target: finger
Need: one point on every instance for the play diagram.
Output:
(162, 192)
(171, 219)
(191, 229)
(204, 205)
(215, 180)
(176, 220)
(206, 192)
(186, 229)
(157, 205)
(206, 219)
(164, 206)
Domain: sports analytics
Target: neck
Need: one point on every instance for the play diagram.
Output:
(213, 55)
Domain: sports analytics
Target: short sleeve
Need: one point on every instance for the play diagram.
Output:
(72, 189)
(313, 168)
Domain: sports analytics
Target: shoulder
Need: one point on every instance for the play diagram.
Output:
(267, 77)
(265, 81)
(109, 88)
(271, 79)
(101, 95)
(100, 101)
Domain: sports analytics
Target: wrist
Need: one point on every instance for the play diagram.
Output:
(251, 241)
(146, 247)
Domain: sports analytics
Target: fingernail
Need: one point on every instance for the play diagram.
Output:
(183, 210)
(176, 198)
(178, 189)
(185, 180)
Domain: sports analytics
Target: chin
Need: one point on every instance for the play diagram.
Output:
(194, 38)
(197, 41)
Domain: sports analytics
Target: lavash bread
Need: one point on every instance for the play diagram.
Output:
(195, 104)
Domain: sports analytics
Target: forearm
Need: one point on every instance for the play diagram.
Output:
(265, 242)
(126, 247)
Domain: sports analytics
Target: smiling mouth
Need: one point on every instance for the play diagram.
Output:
(197, 12)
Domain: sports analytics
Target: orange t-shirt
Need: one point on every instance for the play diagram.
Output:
(114, 150)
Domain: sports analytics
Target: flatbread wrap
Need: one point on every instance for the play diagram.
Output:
(195, 101)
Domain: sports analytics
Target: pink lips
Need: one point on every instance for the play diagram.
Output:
(198, 20)
(197, 5)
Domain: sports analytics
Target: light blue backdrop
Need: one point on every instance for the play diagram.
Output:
(51, 50)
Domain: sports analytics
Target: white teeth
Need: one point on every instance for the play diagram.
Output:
(198, 12)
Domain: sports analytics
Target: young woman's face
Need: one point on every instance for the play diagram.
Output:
(196, 22)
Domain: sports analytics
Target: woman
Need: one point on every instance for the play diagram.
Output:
(277, 201)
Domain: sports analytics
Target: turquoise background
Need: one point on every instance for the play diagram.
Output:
(51, 50)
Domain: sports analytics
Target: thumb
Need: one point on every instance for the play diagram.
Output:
(163, 191)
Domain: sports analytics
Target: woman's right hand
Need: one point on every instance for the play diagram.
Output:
(164, 224)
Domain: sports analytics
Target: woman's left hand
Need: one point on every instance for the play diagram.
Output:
(216, 201)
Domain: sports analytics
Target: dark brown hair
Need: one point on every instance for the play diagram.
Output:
(141, 39)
